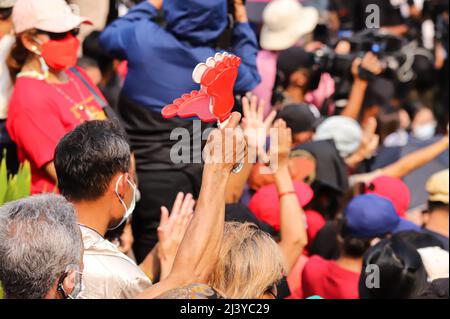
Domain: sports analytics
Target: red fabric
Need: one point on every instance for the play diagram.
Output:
(265, 204)
(294, 278)
(39, 116)
(315, 222)
(325, 278)
(393, 189)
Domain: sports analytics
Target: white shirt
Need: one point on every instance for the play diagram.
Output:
(108, 273)
(6, 86)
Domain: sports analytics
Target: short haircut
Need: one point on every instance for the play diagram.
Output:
(402, 274)
(87, 159)
(432, 206)
(39, 239)
(350, 245)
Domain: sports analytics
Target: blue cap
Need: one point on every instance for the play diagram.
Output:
(370, 216)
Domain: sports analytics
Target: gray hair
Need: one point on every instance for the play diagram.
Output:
(39, 239)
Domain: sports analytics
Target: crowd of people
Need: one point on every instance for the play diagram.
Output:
(348, 200)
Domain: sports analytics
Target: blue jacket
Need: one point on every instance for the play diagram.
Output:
(161, 60)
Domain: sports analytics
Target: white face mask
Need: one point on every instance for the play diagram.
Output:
(425, 132)
(128, 211)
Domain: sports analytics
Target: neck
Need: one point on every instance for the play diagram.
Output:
(350, 263)
(438, 222)
(33, 64)
(94, 214)
(296, 95)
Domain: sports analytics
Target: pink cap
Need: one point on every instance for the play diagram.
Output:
(47, 15)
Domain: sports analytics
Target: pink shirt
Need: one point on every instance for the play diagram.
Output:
(266, 62)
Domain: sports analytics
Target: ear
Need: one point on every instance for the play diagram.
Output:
(121, 180)
(30, 44)
(69, 282)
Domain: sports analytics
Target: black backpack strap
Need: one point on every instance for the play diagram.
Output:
(102, 102)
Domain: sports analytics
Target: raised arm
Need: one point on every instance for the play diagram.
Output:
(371, 64)
(415, 160)
(256, 130)
(245, 45)
(197, 254)
(118, 36)
(292, 219)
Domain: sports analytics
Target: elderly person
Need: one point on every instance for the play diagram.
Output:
(44, 259)
(251, 263)
(96, 173)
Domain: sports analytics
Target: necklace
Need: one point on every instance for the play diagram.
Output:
(79, 106)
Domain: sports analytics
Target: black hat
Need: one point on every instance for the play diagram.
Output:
(300, 117)
(293, 59)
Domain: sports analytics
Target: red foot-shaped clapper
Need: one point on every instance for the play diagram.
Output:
(215, 100)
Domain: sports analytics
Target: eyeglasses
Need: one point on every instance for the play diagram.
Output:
(60, 36)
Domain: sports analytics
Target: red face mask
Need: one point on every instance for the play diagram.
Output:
(62, 54)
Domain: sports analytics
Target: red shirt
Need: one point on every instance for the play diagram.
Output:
(325, 278)
(39, 116)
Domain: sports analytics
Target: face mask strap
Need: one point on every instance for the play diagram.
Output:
(60, 287)
(125, 217)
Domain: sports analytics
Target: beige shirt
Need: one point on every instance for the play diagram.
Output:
(108, 273)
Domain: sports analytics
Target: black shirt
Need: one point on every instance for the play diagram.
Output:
(390, 14)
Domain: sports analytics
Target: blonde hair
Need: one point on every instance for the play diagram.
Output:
(250, 262)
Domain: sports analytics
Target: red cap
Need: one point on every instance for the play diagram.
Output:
(393, 189)
(265, 204)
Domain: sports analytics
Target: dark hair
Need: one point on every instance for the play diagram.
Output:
(432, 206)
(87, 159)
(351, 246)
(18, 55)
(388, 122)
(402, 274)
(5, 13)
(93, 50)
(420, 240)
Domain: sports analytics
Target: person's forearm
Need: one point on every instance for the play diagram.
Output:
(399, 30)
(50, 169)
(236, 184)
(198, 252)
(417, 159)
(151, 265)
(199, 249)
(356, 99)
(292, 222)
(245, 46)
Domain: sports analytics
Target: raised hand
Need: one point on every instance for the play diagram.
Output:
(256, 129)
(281, 148)
(226, 147)
(172, 229)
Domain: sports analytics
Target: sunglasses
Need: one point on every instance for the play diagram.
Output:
(5, 14)
(60, 36)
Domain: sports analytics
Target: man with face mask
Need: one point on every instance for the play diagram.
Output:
(47, 224)
(95, 173)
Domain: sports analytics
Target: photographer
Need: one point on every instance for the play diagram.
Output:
(160, 62)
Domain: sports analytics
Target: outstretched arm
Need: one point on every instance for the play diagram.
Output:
(118, 36)
(370, 63)
(292, 219)
(256, 130)
(197, 254)
(417, 159)
(245, 45)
